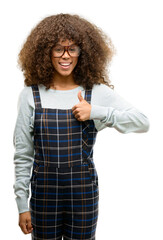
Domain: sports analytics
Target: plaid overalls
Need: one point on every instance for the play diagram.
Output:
(64, 181)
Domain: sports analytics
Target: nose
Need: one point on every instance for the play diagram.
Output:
(65, 55)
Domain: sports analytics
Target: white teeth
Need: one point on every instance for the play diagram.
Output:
(65, 64)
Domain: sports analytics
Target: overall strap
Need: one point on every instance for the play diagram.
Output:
(88, 93)
(36, 96)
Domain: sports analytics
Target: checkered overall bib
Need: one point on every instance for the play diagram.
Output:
(64, 181)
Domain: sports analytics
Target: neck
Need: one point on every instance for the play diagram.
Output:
(64, 82)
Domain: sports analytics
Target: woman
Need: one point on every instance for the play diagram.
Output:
(66, 101)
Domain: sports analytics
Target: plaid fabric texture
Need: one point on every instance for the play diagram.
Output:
(64, 182)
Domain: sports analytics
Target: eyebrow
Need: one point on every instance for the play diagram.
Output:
(64, 46)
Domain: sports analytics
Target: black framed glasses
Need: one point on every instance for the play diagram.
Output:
(73, 50)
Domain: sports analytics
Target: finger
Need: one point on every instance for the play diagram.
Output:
(24, 228)
(77, 116)
(80, 96)
(29, 226)
(75, 112)
(74, 107)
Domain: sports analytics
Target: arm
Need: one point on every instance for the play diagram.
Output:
(24, 151)
(108, 109)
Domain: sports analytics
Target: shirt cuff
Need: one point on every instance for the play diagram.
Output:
(98, 112)
(22, 204)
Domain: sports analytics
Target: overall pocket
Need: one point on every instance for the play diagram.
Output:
(34, 173)
(93, 174)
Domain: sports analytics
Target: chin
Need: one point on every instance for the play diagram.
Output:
(65, 73)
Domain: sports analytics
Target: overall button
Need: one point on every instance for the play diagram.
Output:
(85, 162)
(36, 169)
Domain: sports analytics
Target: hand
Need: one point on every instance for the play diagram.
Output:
(82, 110)
(25, 222)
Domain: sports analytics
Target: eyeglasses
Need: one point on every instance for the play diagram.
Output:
(59, 50)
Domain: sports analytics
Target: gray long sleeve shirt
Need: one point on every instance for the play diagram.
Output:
(108, 109)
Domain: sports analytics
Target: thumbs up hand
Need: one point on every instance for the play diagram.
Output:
(82, 110)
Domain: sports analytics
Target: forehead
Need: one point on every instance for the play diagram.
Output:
(65, 42)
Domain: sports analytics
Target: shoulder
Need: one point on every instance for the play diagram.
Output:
(25, 96)
(102, 88)
(100, 93)
(25, 92)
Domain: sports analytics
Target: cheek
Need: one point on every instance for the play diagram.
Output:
(75, 62)
(55, 64)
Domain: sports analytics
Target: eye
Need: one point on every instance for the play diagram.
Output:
(72, 49)
(58, 49)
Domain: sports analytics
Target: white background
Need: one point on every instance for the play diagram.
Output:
(129, 166)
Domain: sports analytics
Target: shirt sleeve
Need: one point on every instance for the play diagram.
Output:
(109, 109)
(24, 151)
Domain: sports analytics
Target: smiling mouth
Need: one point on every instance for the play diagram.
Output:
(65, 65)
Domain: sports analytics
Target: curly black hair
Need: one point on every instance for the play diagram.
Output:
(97, 50)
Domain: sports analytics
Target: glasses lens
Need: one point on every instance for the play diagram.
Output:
(73, 51)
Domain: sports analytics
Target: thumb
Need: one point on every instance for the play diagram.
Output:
(80, 96)
(29, 225)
